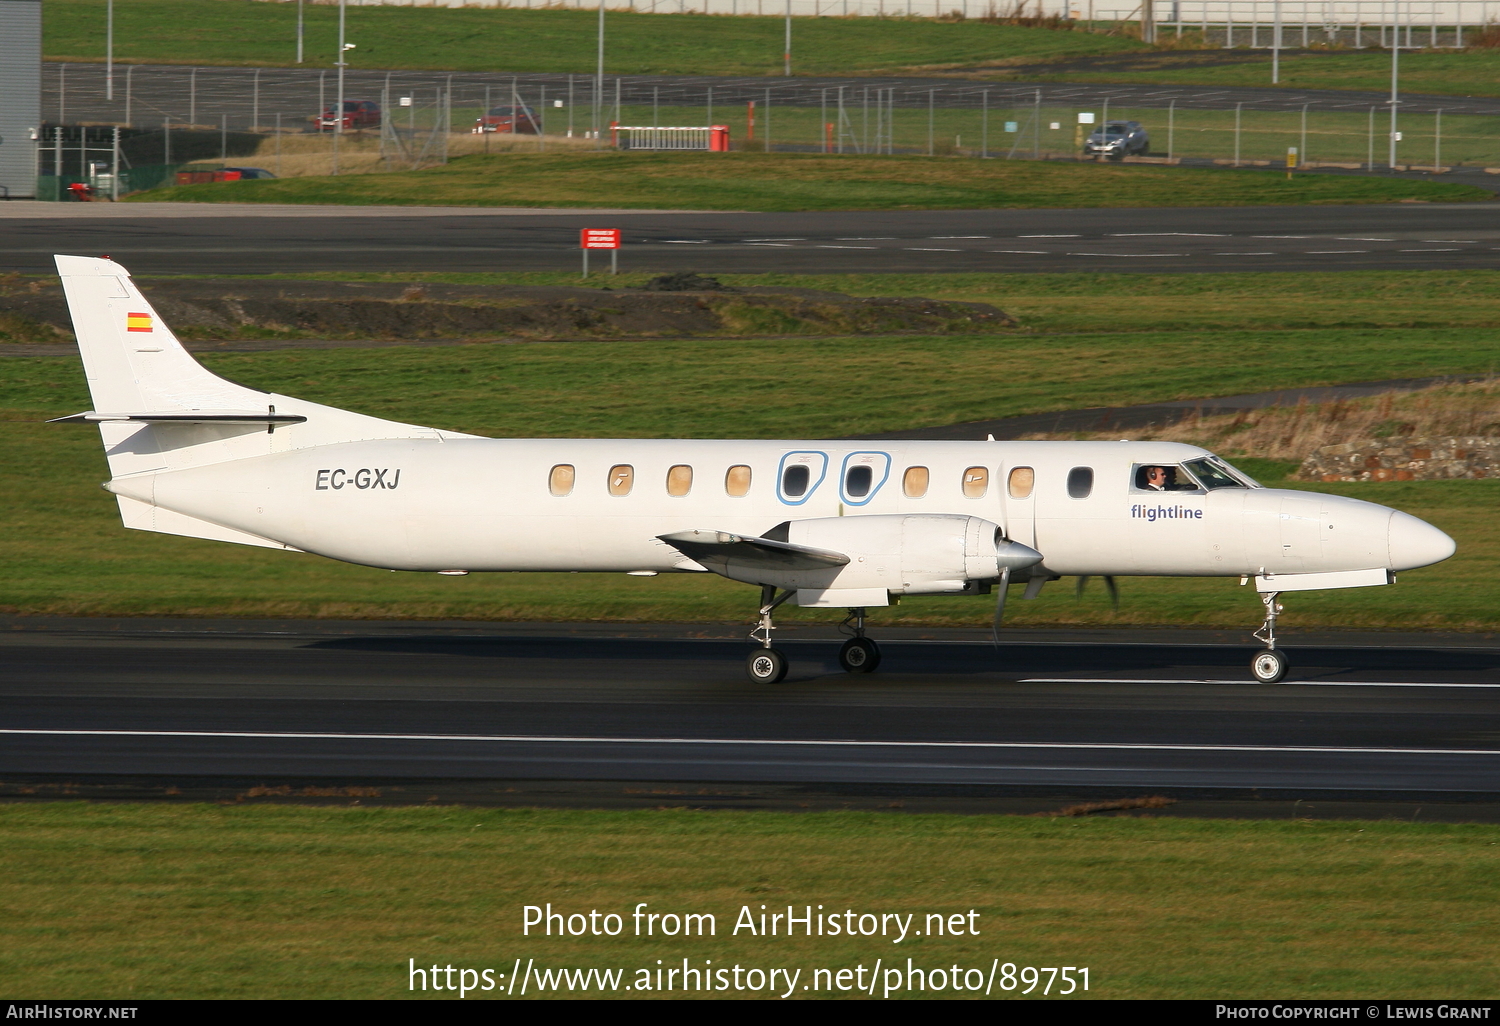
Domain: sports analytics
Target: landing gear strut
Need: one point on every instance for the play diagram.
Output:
(1269, 666)
(767, 665)
(859, 654)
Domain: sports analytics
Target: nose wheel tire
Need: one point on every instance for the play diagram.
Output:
(766, 666)
(859, 655)
(1269, 667)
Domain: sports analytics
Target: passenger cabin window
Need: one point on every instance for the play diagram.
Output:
(621, 478)
(679, 480)
(1080, 482)
(1162, 477)
(976, 482)
(1022, 480)
(914, 482)
(857, 481)
(794, 479)
(737, 481)
(560, 481)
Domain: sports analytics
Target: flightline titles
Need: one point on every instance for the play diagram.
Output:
(765, 923)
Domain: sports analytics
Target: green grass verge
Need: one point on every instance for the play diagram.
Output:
(772, 182)
(244, 32)
(1473, 72)
(1261, 300)
(135, 901)
(67, 554)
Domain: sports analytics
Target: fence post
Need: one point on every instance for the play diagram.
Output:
(114, 174)
(1036, 117)
(1302, 153)
(278, 145)
(1370, 157)
(931, 99)
(193, 97)
(1171, 128)
(1237, 108)
(1437, 142)
(984, 124)
(255, 102)
(768, 121)
(166, 140)
(128, 69)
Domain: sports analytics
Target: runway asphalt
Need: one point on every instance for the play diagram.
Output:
(1389, 717)
(289, 241)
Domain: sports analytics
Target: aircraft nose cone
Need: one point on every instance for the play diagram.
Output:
(1415, 543)
(1016, 556)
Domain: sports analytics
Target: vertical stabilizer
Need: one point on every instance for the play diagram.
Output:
(133, 362)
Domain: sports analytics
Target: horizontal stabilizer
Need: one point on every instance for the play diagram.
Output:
(184, 417)
(718, 549)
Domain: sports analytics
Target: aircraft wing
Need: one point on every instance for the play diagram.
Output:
(717, 549)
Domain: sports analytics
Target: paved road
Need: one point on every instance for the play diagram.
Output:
(1364, 715)
(1390, 237)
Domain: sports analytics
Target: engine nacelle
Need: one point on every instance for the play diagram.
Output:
(900, 554)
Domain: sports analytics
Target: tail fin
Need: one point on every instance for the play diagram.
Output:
(133, 362)
(159, 409)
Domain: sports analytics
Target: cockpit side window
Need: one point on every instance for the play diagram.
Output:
(1213, 474)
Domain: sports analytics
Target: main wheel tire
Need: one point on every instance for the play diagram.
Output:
(859, 655)
(766, 666)
(1269, 667)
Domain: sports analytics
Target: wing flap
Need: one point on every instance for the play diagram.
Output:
(718, 549)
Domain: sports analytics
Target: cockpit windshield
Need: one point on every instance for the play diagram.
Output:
(1213, 472)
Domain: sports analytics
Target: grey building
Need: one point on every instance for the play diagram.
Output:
(20, 95)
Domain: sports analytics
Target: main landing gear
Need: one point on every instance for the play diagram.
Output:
(1269, 666)
(768, 665)
(859, 654)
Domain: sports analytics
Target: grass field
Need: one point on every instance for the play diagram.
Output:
(135, 901)
(244, 32)
(1471, 72)
(770, 182)
(66, 553)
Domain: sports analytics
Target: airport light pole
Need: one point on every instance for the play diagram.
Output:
(787, 52)
(338, 112)
(1276, 47)
(1395, 101)
(109, 50)
(599, 83)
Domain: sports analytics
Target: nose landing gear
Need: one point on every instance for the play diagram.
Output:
(859, 654)
(767, 665)
(1269, 666)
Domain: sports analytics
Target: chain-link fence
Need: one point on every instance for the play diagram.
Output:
(288, 123)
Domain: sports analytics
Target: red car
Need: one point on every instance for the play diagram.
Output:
(357, 114)
(519, 120)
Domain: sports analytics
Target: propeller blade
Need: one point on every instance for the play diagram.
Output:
(1114, 592)
(1000, 605)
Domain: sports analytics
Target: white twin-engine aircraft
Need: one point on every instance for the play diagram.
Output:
(833, 524)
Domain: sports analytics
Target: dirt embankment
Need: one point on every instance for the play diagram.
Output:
(33, 310)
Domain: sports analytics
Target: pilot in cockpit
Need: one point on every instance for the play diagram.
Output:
(1157, 479)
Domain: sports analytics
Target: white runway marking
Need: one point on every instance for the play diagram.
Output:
(1128, 254)
(1266, 253)
(1028, 252)
(1320, 252)
(930, 249)
(846, 247)
(1451, 249)
(762, 742)
(1298, 683)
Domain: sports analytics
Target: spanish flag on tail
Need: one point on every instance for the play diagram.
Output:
(137, 322)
